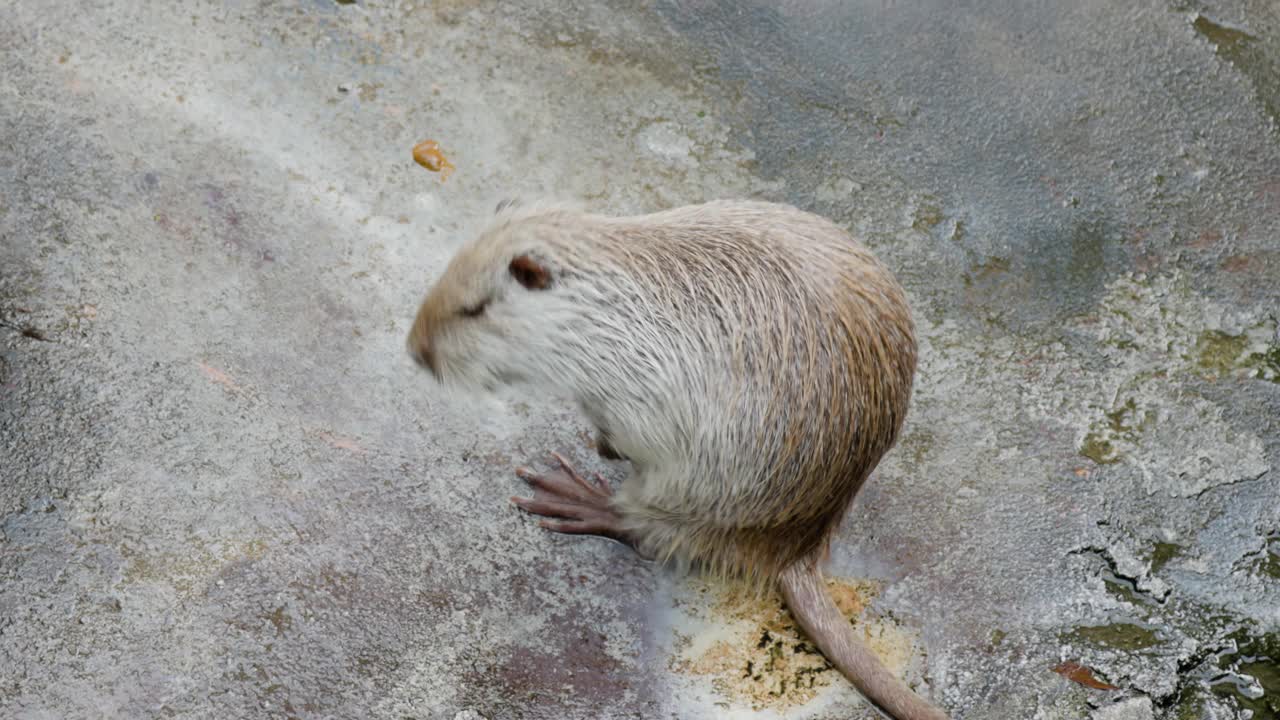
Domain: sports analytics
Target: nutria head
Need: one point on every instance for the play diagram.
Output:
(512, 291)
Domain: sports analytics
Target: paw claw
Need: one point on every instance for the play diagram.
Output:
(564, 464)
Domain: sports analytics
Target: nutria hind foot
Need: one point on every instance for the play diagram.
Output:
(570, 504)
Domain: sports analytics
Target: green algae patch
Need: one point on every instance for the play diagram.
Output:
(928, 214)
(1126, 421)
(1267, 364)
(1099, 449)
(1122, 425)
(985, 270)
(1248, 55)
(1162, 553)
(997, 637)
(1267, 673)
(1190, 706)
(1117, 636)
(1228, 40)
(918, 445)
(1125, 590)
(1259, 659)
(1220, 352)
(1223, 353)
(1269, 562)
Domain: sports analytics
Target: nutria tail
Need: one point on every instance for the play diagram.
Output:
(826, 626)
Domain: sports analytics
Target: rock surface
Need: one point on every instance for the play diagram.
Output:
(227, 492)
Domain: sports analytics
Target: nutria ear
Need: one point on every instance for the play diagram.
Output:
(530, 273)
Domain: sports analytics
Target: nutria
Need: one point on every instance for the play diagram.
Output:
(752, 361)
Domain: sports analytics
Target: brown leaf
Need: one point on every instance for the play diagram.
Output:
(1077, 673)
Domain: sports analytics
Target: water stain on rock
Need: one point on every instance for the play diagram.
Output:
(571, 661)
(1061, 275)
(231, 225)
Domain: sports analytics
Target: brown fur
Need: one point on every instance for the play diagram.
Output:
(752, 361)
(848, 356)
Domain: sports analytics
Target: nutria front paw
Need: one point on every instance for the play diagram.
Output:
(579, 507)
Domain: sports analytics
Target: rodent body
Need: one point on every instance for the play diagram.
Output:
(752, 361)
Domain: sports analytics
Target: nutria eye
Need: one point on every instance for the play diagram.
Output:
(475, 310)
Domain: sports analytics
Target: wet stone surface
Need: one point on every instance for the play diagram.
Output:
(227, 492)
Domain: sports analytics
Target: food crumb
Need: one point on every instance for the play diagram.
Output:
(754, 654)
(427, 154)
